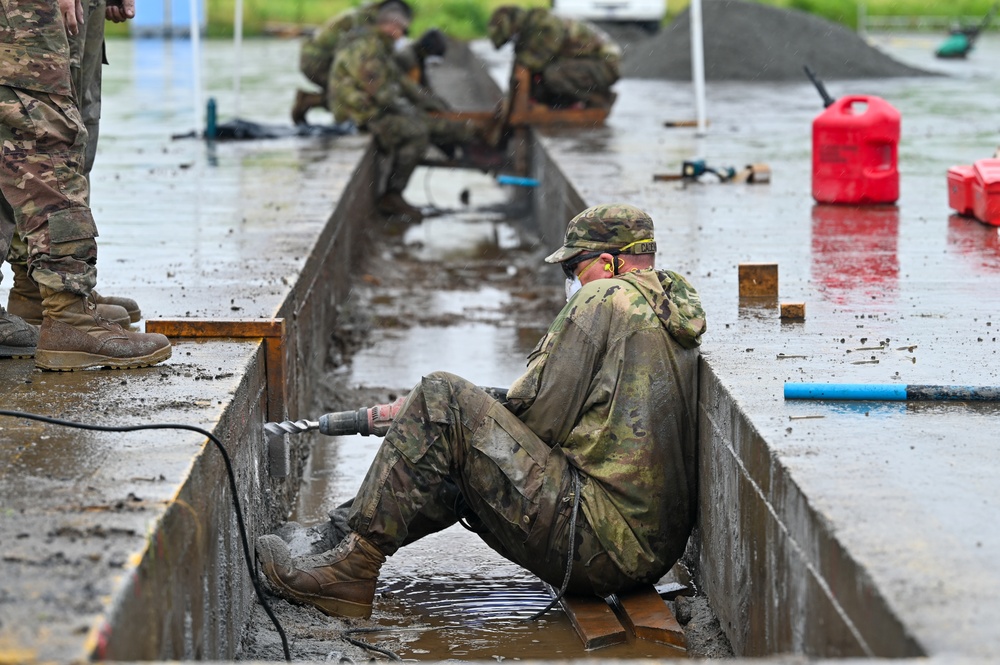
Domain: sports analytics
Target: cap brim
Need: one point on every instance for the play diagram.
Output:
(564, 254)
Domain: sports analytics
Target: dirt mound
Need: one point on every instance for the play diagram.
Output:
(752, 42)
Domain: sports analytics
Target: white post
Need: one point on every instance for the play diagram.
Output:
(237, 50)
(196, 64)
(698, 66)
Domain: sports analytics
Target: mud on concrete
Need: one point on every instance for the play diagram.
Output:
(448, 596)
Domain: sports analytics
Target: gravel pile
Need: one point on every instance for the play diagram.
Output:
(745, 41)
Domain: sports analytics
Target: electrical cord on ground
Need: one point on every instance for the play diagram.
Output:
(346, 635)
(570, 550)
(232, 484)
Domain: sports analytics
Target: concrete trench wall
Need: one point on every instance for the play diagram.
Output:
(188, 597)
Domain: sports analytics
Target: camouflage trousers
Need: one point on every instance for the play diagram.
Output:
(519, 489)
(86, 59)
(45, 191)
(403, 139)
(568, 80)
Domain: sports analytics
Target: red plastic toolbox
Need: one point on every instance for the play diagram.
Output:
(960, 189)
(986, 191)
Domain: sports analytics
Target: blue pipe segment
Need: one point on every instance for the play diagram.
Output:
(517, 181)
(891, 392)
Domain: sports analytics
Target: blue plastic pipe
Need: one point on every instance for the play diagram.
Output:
(890, 391)
(517, 180)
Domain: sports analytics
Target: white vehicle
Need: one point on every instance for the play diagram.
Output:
(648, 13)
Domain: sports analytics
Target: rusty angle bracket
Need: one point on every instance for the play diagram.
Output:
(272, 331)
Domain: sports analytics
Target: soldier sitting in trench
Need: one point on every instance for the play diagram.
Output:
(571, 63)
(586, 475)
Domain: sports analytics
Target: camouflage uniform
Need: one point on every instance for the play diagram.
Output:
(316, 56)
(85, 61)
(368, 88)
(609, 394)
(42, 150)
(569, 60)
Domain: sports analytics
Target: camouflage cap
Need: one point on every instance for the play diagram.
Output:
(504, 23)
(610, 226)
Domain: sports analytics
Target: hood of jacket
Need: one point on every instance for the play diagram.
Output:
(675, 302)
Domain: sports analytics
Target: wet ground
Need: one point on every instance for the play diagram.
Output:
(909, 490)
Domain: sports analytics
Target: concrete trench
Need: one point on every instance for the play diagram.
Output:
(123, 547)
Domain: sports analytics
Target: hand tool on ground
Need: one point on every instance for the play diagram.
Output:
(693, 169)
(366, 421)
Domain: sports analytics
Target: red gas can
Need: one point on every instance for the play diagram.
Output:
(855, 143)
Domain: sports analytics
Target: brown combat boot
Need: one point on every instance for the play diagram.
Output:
(73, 336)
(338, 583)
(393, 204)
(303, 102)
(17, 337)
(25, 301)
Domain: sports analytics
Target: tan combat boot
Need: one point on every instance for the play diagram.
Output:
(17, 337)
(303, 102)
(73, 336)
(339, 583)
(25, 301)
(392, 204)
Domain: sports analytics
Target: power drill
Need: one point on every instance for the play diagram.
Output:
(366, 421)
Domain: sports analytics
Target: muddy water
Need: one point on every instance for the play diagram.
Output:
(460, 292)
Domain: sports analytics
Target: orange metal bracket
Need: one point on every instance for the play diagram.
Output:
(272, 331)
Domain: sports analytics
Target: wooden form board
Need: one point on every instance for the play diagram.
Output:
(649, 618)
(643, 615)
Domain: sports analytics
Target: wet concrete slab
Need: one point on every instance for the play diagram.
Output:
(828, 528)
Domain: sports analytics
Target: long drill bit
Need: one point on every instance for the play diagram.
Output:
(290, 427)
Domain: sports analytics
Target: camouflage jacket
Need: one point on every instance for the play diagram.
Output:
(545, 37)
(614, 383)
(34, 50)
(321, 47)
(368, 82)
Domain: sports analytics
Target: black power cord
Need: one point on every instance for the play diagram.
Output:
(232, 484)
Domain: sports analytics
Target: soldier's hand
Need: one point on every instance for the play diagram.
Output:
(72, 13)
(120, 11)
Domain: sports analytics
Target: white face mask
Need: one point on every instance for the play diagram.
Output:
(572, 286)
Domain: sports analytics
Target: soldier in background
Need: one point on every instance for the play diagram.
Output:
(570, 62)
(586, 475)
(45, 193)
(368, 88)
(316, 56)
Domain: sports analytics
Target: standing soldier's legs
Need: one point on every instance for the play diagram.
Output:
(86, 59)
(520, 490)
(18, 338)
(42, 139)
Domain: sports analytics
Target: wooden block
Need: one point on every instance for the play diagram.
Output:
(594, 621)
(758, 280)
(649, 618)
(793, 311)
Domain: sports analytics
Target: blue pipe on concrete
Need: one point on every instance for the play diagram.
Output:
(890, 391)
(517, 181)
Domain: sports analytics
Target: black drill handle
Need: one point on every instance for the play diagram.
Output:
(827, 99)
(344, 423)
